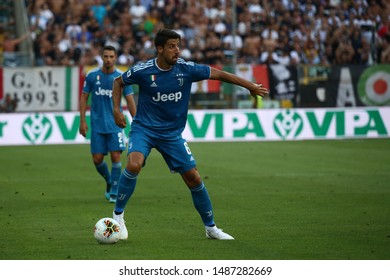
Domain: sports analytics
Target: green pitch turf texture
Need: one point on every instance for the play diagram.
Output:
(304, 200)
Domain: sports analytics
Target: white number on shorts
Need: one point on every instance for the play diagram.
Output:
(120, 138)
(187, 148)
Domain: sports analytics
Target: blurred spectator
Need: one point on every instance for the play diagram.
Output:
(65, 43)
(296, 53)
(384, 39)
(312, 57)
(283, 56)
(96, 50)
(177, 28)
(73, 28)
(231, 44)
(269, 55)
(151, 19)
(138, 13)
(219, 26)
(213, 51)
(8, 104)
(364, 56)
(168, 13)
(251, 50)
(367, 27)
(91, 22)
(99, 11)
(344, 53)
(385, 54)
(271, 32)
(126, 58)
(356, 42)
(384, 28)
(328, 57)
(10, 43)
(40, 14)
(112, 38)
(311, 52)
(85, 37)
(254, 7)
(119, 8)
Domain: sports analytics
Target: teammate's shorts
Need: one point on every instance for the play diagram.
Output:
(175, 152)
(102, 143)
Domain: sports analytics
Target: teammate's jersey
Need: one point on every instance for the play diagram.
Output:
(99, 86)
(164, 95)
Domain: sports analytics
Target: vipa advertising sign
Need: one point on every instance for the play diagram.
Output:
(44, 128)
(285, 124)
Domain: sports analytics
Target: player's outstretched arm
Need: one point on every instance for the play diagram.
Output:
(117, 90)
(255, 89)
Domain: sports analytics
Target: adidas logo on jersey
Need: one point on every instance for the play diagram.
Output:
(153, 84)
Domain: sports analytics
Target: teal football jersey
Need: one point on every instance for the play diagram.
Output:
(164, 95)
(99, 86)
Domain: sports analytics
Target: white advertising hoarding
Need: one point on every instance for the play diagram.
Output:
(215, 125)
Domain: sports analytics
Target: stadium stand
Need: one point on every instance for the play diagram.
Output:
(314, 31)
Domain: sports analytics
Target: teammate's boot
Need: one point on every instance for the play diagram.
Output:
(113, 193)
(217, 233)
(107, 194)
(123, 234)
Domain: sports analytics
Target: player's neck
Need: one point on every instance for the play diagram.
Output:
(161, 63)
(108, 70)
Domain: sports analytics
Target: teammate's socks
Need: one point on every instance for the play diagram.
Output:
(115, 175)
(103, 171)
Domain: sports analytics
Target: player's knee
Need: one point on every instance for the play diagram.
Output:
(192, 178)
(115, 156)
(97, 159)
(135, 162)
(134, 166)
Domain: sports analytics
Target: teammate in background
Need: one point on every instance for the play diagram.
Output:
(165, 85)
(106, 136)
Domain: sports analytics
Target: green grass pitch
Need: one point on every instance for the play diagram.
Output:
(300, 200)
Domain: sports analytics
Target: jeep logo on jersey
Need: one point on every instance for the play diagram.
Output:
(101, 91)
(168, 97)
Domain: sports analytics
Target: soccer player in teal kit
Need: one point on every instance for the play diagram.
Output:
(164, 91)
(106, 136)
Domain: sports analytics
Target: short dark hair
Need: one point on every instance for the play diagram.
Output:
(109, 48)
(163, 35)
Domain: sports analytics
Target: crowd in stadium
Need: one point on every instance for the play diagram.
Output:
(72, 32)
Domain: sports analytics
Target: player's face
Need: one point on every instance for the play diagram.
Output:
(109, 59)
(171, 51)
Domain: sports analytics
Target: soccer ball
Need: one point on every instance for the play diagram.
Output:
(106, 231)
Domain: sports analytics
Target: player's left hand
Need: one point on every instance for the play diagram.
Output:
(120, 119)
(259, 90)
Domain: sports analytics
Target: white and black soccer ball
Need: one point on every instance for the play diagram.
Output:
(106, 231)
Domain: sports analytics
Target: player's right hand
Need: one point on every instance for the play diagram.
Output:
(120, 119)
(83, 129)
(259, 90)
